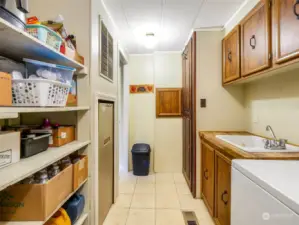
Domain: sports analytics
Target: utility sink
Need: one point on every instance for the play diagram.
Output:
(251, 143)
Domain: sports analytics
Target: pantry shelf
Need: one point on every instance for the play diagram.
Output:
(81, 219)
(26, 167)
(8, 115)
(18, 44)
(7, 110)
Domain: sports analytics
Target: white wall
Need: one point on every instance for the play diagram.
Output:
(225, 109)
(101, 85)
(168, 132)
(274, 101)
(164, 135)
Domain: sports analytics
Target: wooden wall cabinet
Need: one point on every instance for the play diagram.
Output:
(208, 176)
(222, 189)
(231, 56)
(216, 183)
(286, 26)
(168, 102)
(256, 39)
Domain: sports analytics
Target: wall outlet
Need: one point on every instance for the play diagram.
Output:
(254, 118)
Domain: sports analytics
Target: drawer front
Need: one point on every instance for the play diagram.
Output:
(208, 176)
(223, 189)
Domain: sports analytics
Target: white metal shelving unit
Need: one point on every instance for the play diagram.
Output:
(17, 44)
(57, 208)
(18, 171)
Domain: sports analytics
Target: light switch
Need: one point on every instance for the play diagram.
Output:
(203, 103)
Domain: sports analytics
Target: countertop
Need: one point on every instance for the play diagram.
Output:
(278, 177)
(234, 152)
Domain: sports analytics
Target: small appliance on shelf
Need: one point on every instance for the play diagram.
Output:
(14, 11)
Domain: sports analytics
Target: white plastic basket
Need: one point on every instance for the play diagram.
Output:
(39, 92)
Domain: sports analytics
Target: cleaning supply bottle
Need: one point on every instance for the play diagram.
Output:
(59, 218)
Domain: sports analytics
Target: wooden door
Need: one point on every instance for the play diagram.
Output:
(231, 56)
(222, 189)
(256, 39)
(286, 22)
(208, 176)
(189, 114)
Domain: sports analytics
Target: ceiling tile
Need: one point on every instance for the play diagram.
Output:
(136, 17)
(214, 14)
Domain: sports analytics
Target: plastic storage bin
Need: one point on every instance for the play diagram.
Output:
(32, 146)
(45, 35)
(39, 92)
(74, 207)
(141, 159)
(50, 71)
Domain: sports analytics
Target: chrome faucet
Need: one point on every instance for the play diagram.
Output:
(269, 128)
(276, 144)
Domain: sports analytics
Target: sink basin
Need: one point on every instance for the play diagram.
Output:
(251, 143)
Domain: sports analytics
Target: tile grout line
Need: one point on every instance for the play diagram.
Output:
(177, 193)
(131, 201)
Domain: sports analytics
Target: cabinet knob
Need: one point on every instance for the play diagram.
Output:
(295, 9)
(252, 42)
(229, 56)
(206, 174)
(224, 197)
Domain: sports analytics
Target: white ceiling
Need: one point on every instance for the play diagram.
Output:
(170, 20)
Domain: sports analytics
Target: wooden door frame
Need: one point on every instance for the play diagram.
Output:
(194, 136)
(102, 97)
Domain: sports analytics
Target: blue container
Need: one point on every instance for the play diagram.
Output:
(63, 74)
(74, 207)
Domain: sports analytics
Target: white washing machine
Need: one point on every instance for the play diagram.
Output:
(265, 192)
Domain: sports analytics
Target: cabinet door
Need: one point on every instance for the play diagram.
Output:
(256, 40)
(208, 176)
(231, 55)
(286, 20)
(222, 189)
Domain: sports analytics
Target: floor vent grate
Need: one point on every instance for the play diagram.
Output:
(190, 218)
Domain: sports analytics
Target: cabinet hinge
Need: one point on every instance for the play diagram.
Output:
(270, 56)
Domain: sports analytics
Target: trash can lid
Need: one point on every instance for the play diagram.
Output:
(141, 148)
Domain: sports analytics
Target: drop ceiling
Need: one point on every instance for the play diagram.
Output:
(170, 20)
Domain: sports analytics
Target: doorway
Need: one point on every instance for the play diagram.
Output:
(105, 158)
(123, 116)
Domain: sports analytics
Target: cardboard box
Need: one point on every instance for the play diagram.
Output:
(80, 171)
(60, 136)
(35, 202)
(72, 97)
(5, 89)
(10, 147)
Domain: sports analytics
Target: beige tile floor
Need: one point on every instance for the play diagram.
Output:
(157, 199)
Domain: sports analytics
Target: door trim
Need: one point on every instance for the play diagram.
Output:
(99, 96)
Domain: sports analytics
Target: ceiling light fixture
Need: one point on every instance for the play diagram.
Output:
(150, 40)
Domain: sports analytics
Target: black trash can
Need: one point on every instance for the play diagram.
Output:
(141, 159)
